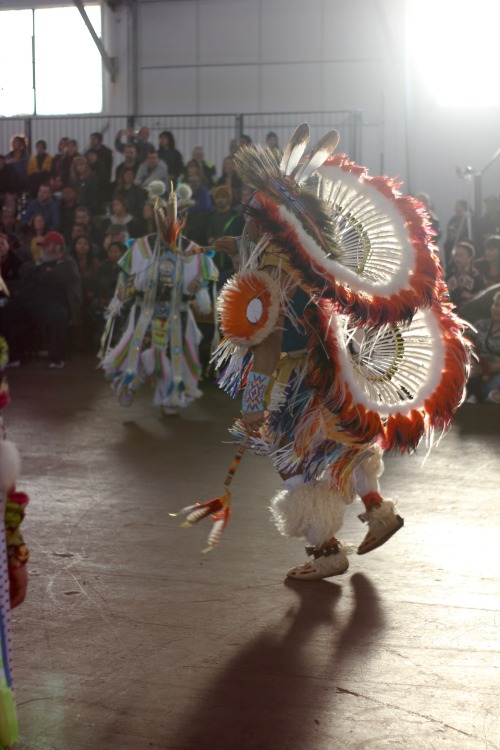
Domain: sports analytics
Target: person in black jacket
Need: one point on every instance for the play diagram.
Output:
(104, 155)
(50, 297)
(10, 263)
(9, 183)
(171, 156)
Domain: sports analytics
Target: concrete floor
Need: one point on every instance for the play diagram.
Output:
(131, 638)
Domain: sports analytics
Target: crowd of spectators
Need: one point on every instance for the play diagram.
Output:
(471, 259)
(66, 218)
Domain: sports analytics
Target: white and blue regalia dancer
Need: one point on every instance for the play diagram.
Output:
(160, 340)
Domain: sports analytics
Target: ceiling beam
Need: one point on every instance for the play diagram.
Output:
(110, 63)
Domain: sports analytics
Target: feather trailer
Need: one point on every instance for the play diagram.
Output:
(198, 511)
(220, 522)
(219, 508)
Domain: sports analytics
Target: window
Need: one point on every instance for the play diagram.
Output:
(49, 64)
(16, 63)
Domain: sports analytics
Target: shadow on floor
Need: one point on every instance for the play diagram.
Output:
(247, 708)
(478, 419)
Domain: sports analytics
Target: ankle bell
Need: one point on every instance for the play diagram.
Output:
(330, 547)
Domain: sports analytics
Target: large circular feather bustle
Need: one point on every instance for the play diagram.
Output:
(400, 270)
(419, 369)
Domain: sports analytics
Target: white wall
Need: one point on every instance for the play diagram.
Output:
(264, 56)
(219, 56)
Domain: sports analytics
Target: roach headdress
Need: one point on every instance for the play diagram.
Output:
(286, 183)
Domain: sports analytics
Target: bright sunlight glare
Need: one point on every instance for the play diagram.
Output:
(454, 46)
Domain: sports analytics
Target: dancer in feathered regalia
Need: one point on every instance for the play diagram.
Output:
(160, 338)
(13, 558)
(339, 333)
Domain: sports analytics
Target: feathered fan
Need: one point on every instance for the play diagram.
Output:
(379, 267)
(393, 383)
(353, 238)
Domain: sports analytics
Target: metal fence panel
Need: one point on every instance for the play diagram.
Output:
(9, 127)
(283, 124)
(213, 132)
(52, 129)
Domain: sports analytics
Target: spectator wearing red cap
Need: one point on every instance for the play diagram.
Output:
(49, 298)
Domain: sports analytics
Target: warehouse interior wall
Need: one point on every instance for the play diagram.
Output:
(223, 56)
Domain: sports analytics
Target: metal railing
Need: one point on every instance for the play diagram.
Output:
(213, 132)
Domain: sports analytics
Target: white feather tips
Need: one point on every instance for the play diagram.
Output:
(319, 155)
(295, 149)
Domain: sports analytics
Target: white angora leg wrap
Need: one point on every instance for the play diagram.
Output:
(312, 510)
(366, 473)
